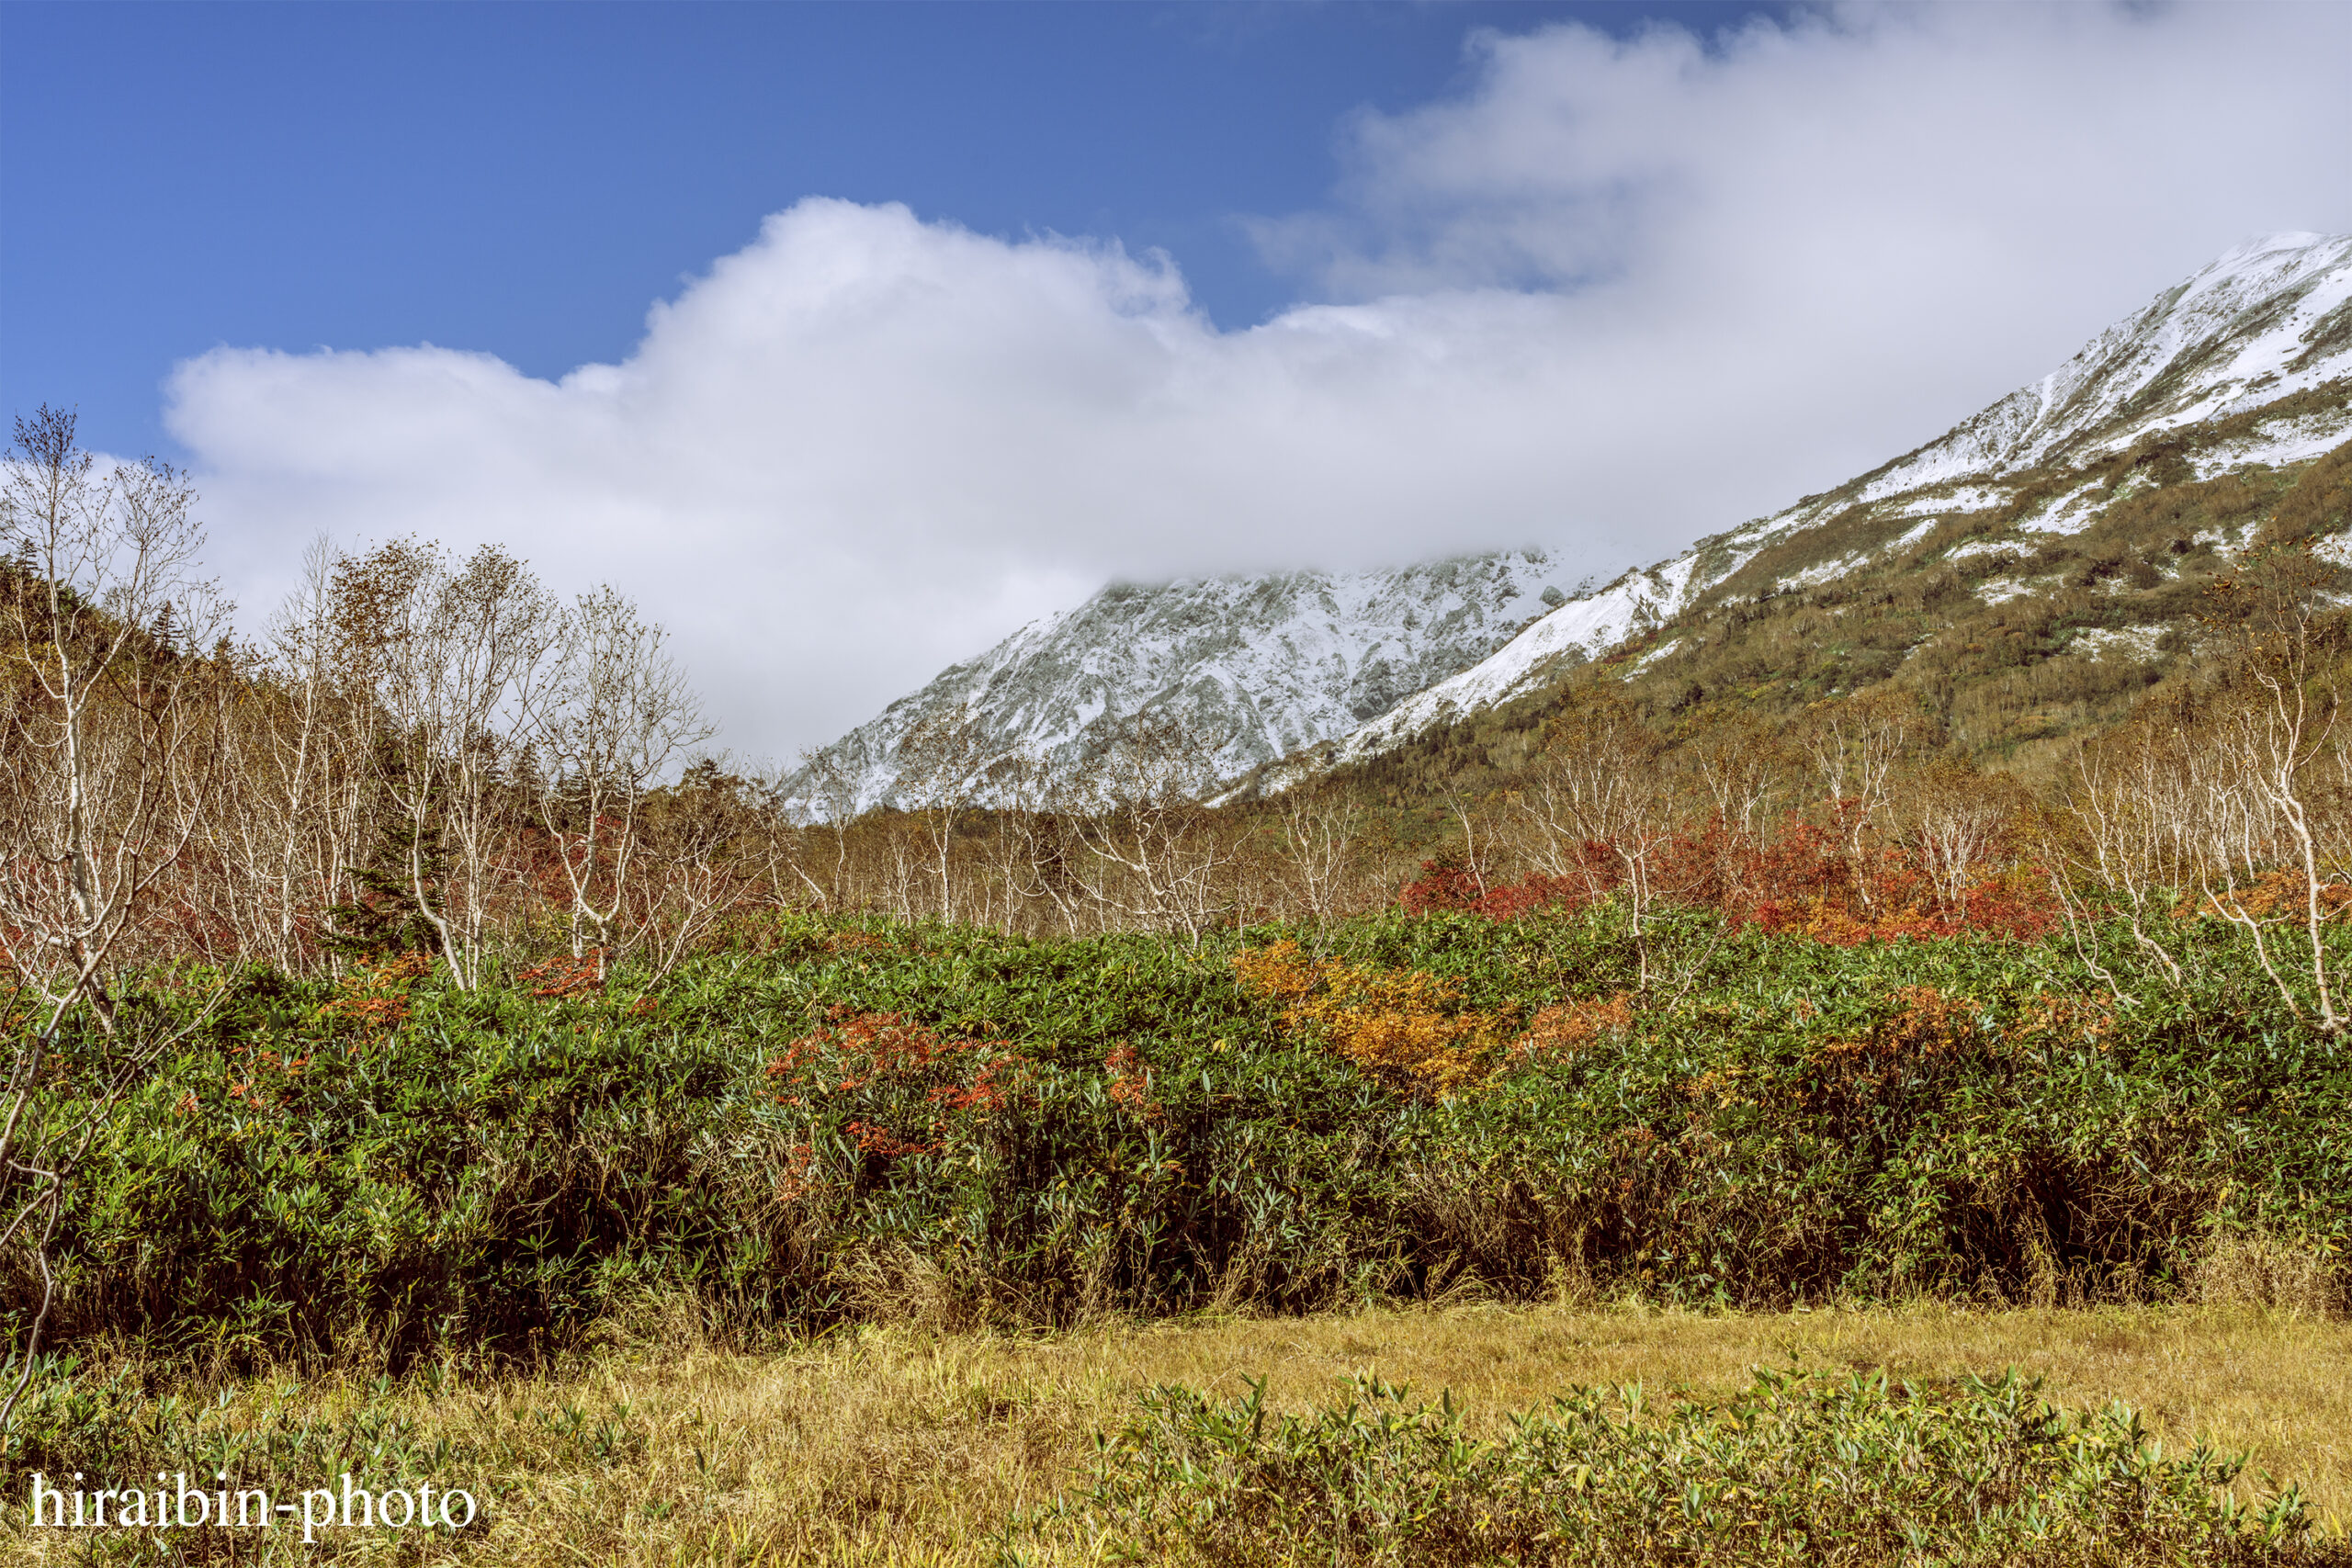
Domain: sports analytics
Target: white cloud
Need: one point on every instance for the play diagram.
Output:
(1616, 295)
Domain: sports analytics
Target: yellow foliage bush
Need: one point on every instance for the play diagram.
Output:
(1406, 1026)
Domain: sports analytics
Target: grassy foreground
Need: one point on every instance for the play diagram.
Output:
(895, 1445)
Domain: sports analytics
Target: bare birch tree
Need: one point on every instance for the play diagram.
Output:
(1154, 854)
(1743, 772)
(696, 872)
(939, 777)
(1029, 846)
(455, 657)
(298, 802)
(104, 758)
(1956, 821)
(829, 799)
(1856, 744)
(1323, 830)
(2269, 842)
(615, 711)
(106, 762)
(2127, 818)
(2230, 802)
(1600, 808)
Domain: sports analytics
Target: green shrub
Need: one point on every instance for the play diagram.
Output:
(862, 1121)
(1800, 1469)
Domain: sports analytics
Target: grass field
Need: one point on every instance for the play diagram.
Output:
(899, 1445)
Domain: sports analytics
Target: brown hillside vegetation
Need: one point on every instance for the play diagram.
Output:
(2012, 640)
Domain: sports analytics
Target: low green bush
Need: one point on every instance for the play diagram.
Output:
(861, 1120)
(1802, 1468)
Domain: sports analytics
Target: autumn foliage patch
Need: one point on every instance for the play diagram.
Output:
(914, 1078)
(1407, 1027)
(1799, 881)
(373, 1000)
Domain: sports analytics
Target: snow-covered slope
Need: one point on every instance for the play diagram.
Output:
(2267, 321)
(1257, 667)
(1579, 630)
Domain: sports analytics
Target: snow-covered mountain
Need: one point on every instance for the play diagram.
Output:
(1291, 674)
(1257, 667)
(2265, 321)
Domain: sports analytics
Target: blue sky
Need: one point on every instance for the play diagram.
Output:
(524, 179)
(849, 339)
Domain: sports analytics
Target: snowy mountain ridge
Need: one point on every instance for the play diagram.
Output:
(2249, 329)
(1258, 667)
(2267, 320)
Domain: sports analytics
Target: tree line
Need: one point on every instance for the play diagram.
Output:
(421, 753)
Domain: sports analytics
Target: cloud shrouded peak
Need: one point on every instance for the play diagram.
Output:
(1613, 294)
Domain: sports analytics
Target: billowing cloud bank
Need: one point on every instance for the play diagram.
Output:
(1616, 295)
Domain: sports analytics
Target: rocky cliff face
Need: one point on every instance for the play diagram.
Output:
(1255, 668)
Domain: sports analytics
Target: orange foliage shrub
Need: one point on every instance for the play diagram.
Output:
(1567, 1028)
(1926, 1027)
(374, 999)
(559, 979)
(1926, 1021)
(1926, 1030)
(263, 1079)
(1408, 1027)
(1129, 1084)
(2281, 893)
(2063, 1022)
(895, 1060)
(856, 942)
(796, 1176)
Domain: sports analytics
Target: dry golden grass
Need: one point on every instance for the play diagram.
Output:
(904, 1447)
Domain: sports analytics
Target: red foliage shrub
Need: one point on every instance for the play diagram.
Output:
(900, 1069)
(1796, 880)
(374, 999)
(1130, 1081)
(1445, 884)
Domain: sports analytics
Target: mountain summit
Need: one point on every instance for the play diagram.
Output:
(1260, 666)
